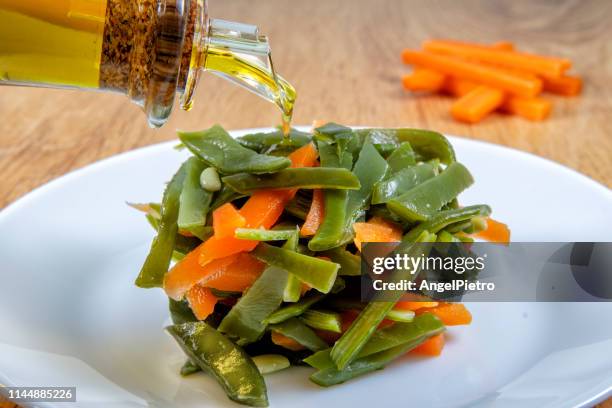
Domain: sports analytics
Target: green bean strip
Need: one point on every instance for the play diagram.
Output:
(194, 200)
(401, 158)
(189, 368)
(318, 273)
(444, 218)
(427, 144)
(260, 234)
(303, 177)
(226, 362)
(294, 309)
(245, 321)
(263, 141)
(298, 331)
(402, 181)
(370, 168)
(322, 319)
(271, 363)
(424, 200)
(218, 149)
(157, 262)
(223, 196)
(350, 264)
(421, 328)
(351, 342)
(293, 288)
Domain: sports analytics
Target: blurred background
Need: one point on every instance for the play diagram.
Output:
(343, 57)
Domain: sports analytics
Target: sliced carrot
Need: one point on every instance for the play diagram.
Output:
(202, 301)
(473, 71)
(413, 301)
(305, 156)
(566, 85)
(377, 229)
(423, 80)
(495, 232)
(529, 108)
(315, 215)
(458, 87)
(451, 314)
(237, 276)
(226, 219)
(189, 272)
(537, 64)
(286, 342)
(478, 103)
(431, 347)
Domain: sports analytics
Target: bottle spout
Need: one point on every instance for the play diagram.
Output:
(237, 52)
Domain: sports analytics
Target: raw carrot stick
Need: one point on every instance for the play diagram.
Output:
(286, 342)
(458, 87)
(565, 85)
(503, 45)
(529, 108)
(495, 232)
(482, 74)
(537, 64)
(237, 276)
(376, 230)
(226, 219)
(202, 301)
(423, 80)
(430, 347)
(315, 215)
(451, 314)
(475, 105)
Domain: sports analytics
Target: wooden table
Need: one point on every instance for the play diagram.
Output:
(343, 58)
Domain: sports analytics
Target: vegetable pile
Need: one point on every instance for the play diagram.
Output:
(488, 78)
(266, 232)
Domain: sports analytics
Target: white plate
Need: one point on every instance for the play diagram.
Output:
(71, 316)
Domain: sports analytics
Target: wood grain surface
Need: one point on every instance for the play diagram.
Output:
(343, 58)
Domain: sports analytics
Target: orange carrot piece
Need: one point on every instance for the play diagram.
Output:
(458, 87)
(226, 219)
(237, 276)
(495, 232)
(536, 64)
(431, 347)
(482, 74)
(475, 105)
(305, 156)
(451, 314)
(189, 272)
(286, 342)
(201, 300)
(529, 108)
(503, 45)
(423, 80)
(376, 230)
(566, 85)
(315, 215)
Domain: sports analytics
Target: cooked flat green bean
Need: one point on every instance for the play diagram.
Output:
(260, 234)
(293, 288)
(401, 158)
(400, 315)
(194, 200)
(421, 328)
(263, 141)
(294, 309)
(402, 182)
(226, 362)
(370, 168)
(425, 200)
(218, 149)
(427, 144)
(350, 264)
(180, 312)
(245, 321)
(271, 363)
(303, 177)
(157, 262)
(318, 273)
(444, 218)
(189, 368)
(298, 331)
(322, 319)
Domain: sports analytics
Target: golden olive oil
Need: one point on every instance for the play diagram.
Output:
(273, 87)
(51, 42)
